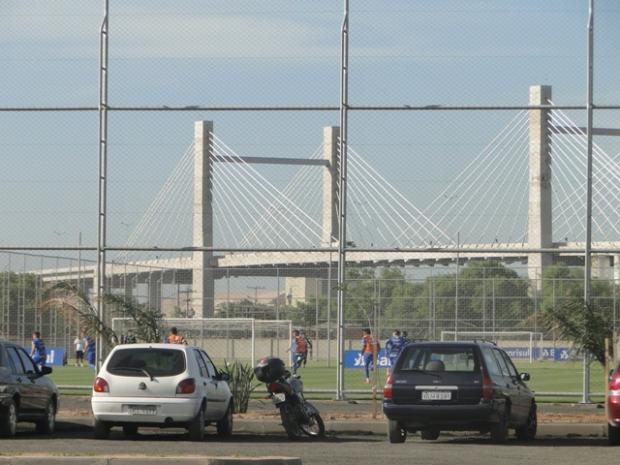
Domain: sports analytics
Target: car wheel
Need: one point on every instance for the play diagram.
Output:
(528, 431)
(130, 430)
(101, 430)
(499, 430)
(429, 434)
(196, 427)
(48, 423)
(225, 425)
(613, 435)
(8, 421)
(396, 434)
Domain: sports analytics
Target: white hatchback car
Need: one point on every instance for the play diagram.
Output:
(161, 385)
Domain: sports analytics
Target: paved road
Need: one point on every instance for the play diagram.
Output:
(339, 450)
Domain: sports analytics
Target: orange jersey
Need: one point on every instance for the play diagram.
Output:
(176, 339)
(368, 343)
(301, 345)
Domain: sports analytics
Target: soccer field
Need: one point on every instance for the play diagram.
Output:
(545, 377)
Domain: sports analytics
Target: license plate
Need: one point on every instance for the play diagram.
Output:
(436, 395)
(278, 398)
(142, 410)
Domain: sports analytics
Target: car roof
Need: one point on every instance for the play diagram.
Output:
(158, 345)
(452, 343)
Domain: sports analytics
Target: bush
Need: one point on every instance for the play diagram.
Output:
(240, 380)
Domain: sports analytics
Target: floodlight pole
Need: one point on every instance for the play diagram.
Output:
(587, 278)
(103, 167)
(342, 191)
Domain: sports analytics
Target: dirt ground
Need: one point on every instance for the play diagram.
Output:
(363, 410)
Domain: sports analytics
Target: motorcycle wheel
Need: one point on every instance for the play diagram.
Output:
(289, 422)
(315, 427)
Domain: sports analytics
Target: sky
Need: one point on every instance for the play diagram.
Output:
(277, 52)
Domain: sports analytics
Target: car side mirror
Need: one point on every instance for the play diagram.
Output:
(45, 370)
(524, 376)
(611, 375)
(222, 376)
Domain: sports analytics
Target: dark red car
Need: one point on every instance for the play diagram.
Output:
(613, 408)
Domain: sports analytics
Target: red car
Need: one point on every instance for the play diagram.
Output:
(613, 408)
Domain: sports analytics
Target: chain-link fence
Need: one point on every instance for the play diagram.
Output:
(194, 148)
(485, 299)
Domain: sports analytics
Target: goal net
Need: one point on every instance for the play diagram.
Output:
(227, 339)
(520, 345)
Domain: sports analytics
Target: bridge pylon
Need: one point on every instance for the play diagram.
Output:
(203, 273)
(539, 206)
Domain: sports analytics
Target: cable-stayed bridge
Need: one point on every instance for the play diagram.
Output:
(525, 191)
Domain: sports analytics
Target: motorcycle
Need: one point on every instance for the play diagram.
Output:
(299, 417)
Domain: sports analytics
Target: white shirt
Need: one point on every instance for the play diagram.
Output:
(79, 344)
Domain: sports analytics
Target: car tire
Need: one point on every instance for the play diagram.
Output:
(499, 430)
(130, 430)
(47, 424)
(429, 434)
(613, 435)
(528, 431)
(101, 430)
(396, 434)
(196, 427)
(225, 425)
(8, 420)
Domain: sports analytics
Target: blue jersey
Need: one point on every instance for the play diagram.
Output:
(39, 348)
(394, 345)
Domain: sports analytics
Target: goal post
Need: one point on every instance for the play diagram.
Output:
(505, 339)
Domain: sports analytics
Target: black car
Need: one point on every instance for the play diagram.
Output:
(26, 394)
(457, 386)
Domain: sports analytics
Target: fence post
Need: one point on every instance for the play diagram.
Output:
(484, 301)
(493, 306)
(253, 341)
(606, 373)
(316, 314)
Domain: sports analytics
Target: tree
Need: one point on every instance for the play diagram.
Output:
(18, 291)
(565, 312)
(478, 283)
(586, 326)
(67, 298)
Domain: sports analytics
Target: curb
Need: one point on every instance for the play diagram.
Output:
(132, 460)
(362, 428)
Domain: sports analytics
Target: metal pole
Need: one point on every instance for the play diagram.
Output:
(456, 290)
(587, 284)
(253, 341)
(342, 188)
(493, 306)
(79, 263)
(329, 312)
(316, 318)
(103, 167)
(484, 302)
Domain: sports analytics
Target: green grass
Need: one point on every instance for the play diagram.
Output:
(545, 377)
(73, 376)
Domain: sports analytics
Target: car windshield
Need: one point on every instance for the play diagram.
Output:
(433, 359)
(147, 362)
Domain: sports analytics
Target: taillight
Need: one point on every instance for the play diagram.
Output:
(387, 389)
(187, 386)
(277, 388)
(101, 385)
(487, 387)
(614, 385)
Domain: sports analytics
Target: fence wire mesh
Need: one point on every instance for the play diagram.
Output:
(439, 146)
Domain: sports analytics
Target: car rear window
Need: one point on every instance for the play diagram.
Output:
(462, 359)
(147, 361)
